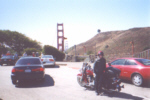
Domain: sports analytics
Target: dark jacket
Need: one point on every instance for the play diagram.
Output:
(99, 66)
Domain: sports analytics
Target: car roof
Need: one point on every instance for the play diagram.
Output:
(130, 58)
(27, 57)
(8, 55)
(47, 55)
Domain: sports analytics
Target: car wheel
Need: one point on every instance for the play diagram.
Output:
(137, 80)
(14, 82)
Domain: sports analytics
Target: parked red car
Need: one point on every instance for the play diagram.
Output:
(135, 69)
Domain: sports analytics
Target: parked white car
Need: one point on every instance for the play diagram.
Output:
(48, 60)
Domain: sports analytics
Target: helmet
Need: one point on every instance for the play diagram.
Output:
(100, 53)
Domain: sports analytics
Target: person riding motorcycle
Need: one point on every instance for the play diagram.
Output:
(99, 68)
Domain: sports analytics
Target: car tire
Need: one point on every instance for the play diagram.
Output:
(137, 79)
(14, 82)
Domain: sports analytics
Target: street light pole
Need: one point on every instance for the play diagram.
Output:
(132, 48)
(95, 48)
(75, 49)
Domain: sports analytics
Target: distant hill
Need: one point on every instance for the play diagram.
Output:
(117, 43)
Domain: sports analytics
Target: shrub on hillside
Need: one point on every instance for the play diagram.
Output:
(50, 50)
(146, 48)
(30, 50)
(89, 52)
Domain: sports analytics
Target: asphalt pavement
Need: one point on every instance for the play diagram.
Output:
(61, 84)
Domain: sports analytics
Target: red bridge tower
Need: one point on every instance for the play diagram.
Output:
(60, 37)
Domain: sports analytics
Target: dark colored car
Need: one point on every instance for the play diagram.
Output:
(135, 69)
(9, 60)
(28, 68)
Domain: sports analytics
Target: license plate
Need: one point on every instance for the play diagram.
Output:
(27, 70)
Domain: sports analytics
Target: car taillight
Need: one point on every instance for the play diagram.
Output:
(51, 60)
(0, 59)
(17, 70)
(9, 59)
(38, 69)
(13, 70)
(41, 69)
(41, 59)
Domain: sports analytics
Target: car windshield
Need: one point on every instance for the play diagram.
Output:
(30, 61)
(7, 57)
(144, 61)
(47, 56)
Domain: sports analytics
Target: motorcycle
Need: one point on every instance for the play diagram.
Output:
(111, 80)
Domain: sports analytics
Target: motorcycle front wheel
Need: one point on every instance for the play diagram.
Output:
(79, 81)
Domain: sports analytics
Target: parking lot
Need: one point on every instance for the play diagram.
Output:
(61, 84)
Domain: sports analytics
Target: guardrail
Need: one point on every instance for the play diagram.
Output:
(144, 54)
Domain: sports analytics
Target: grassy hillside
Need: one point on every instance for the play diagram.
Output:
(117, 43)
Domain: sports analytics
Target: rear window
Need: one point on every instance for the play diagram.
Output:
(29, 61)
(47, 56)
(130, 62)
(143, 61)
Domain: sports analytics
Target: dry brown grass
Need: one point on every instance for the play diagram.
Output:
(118, 42)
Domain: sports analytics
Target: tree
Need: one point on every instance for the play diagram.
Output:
(3, 50)
(18, 41)
(30, 50)
(49, 50)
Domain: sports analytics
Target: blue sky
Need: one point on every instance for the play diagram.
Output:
(38, 19)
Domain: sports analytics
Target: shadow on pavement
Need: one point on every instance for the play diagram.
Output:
(145, 85)
(89, 89)
(124, 96)
(49, 81)
(56, 66)
(120, 95)
(1, 99)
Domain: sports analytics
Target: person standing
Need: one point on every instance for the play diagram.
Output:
(25, 54)
(37, 54)
(33, 54)
(2, 55)
(99, 68)
(16, 55)
(41, 54)
(8, 53)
